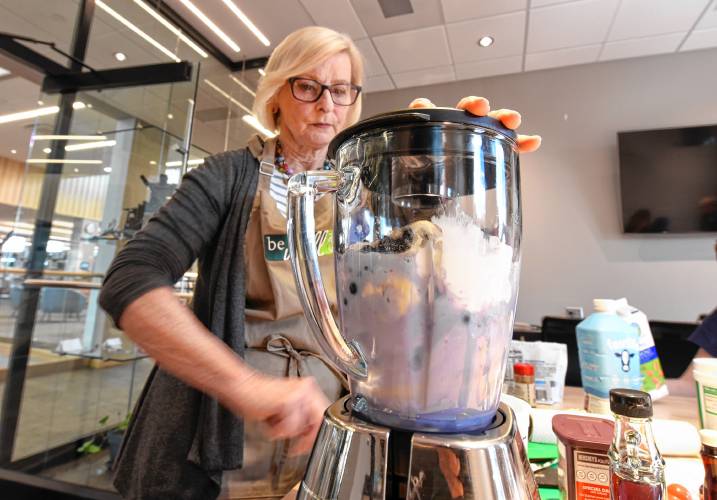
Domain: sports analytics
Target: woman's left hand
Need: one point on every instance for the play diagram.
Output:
(480, 106)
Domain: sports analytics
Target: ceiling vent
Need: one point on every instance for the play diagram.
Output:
(393, 8)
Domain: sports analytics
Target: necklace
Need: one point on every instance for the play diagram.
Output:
(281, 165)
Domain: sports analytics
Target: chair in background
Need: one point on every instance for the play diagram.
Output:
(562, 330)
(15, 293)
(61, 300)
(673, 348)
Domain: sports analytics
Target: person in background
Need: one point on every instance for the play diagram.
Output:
(159, 193)
(705, 336)
(187, 429)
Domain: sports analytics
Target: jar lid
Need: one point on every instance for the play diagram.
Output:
(630, 403)
(523, 369)
(417, 117)
(709, 437)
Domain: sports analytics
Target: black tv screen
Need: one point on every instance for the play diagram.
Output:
(668, 180)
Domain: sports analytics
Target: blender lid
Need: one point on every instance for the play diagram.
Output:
(420, 116)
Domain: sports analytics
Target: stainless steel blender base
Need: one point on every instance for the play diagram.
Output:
(353, 459)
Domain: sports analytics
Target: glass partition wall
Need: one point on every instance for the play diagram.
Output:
(68, 377)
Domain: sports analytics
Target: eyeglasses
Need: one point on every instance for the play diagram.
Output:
(308, 90)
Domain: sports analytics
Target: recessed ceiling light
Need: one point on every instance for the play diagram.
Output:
(262, 72)
(170, 116)
(254, 123)
(69, 137)
(178, 163)
(76, 170)
(13, 151)
(120, 56)
(4, 72)
(78, 105)
(78, 162)
(40, 103)
(89, 106)
(149, 10)
(227, 96)
(152, 162)
(210, 24)
(486, 41)
(33, 113)
(47, 150)
(107, 169)
(90, 145)
(242, 85)
(136, 30)
(247, 22)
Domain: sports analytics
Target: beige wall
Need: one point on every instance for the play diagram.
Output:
(79, 196)
(574, 249)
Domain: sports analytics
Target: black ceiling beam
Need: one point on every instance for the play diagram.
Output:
(26, 55)
(256, 63)
(132, 76)
(197, 36)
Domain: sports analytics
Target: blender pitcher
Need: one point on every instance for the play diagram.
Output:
(426, 242)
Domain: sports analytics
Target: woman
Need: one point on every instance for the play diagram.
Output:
(187, 427)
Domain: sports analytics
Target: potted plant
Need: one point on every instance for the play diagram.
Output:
(112, 439)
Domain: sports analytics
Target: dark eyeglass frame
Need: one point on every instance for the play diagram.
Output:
(357, 88)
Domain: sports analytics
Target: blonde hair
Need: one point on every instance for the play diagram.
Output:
(300, 52)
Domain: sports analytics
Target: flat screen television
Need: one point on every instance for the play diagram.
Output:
(668, 180)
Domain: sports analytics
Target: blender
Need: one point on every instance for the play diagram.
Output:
(426, 242)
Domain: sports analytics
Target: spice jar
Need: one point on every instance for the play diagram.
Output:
(524, 382)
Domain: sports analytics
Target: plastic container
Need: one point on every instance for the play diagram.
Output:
(609, 351)
(653, 378)
(704, 371)
(583, 463)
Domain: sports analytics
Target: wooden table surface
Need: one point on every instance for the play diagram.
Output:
(670, 407)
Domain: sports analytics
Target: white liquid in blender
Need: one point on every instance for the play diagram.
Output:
(432, 309)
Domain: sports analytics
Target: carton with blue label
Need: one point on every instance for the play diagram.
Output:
(609, 351)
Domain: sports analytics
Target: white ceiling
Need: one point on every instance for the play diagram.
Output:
(434, 44)
(437, 42)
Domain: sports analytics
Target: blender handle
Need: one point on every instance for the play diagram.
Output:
(301, 232)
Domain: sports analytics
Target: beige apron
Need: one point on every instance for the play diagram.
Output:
(278, 339)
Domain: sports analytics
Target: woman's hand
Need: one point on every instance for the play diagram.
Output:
(480, 106)
(289, 408)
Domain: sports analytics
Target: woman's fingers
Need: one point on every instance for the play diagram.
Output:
(421, 102)
(511, 119)
(528, 143)
(478, 106)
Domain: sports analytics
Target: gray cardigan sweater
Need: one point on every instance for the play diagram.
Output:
(180, 440)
